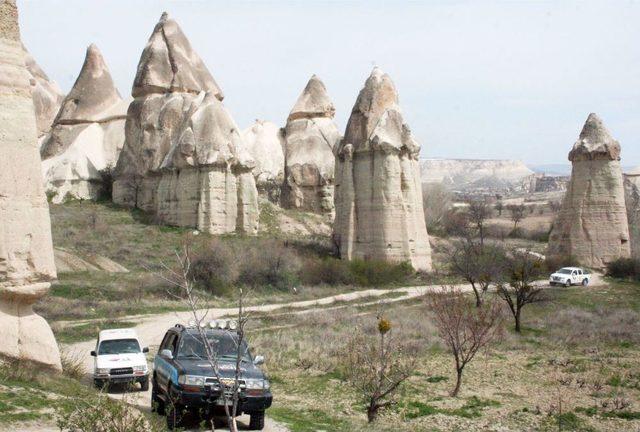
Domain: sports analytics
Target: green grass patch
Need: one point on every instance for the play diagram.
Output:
(307, 420)
(472, 408)
(82, 332)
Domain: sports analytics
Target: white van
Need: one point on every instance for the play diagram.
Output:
(119, 358)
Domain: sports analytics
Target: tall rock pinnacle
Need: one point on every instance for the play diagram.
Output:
(310, 137)
(592, 225)
(26, 252)
(378, 197)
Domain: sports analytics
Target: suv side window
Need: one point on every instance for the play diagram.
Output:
(165, 340)
(173, 344)
(579, 272)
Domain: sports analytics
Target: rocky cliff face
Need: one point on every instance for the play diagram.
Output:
(26, 253)
(378, 194)
(265, 144)
(184, 157)
(47, 96)
(592, 224)
(310, 137)
(87, 134)
(632, 201)
(470, 174)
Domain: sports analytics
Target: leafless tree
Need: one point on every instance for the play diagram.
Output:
(377, 366)
(133, 184)
(465, 329)
(437, 201)
(554, 206)
(517, 289)
(479, 211)
(499, 207)
(479, 266)
(182, 279)
(517, 212)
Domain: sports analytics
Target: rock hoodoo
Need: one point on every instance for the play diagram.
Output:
(310, 138)
(87, 134)
(378, 196)
(265, 144)
(26, 253)
(632, 201)
(184, 157)
(592, 224)
(47, 96)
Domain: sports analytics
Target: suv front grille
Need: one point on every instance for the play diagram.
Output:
(121, 371)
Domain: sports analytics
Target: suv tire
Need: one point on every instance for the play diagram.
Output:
(567, 283)
(157, 404)
(174, 416)
(144, 384)
(257, 421)
(585, 282)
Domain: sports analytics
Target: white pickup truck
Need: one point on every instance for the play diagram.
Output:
(120, 358)
(568, 276)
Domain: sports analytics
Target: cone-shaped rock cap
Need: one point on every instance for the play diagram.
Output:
(595, 142)
(377, 97)
(313, 102)
(169, 64)
(93, 93)
(9, 20)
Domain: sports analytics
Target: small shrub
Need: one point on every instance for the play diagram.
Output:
(376, 273)
(105, 415)
(72, 364)
(328, 271)
(624, 268)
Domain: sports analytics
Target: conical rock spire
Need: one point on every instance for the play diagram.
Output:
(169, 64)
(313, 102)
(595, 142)
(93, 96)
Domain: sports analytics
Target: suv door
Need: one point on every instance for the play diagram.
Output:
(164, 365)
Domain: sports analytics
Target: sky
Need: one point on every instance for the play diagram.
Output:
(476, 79)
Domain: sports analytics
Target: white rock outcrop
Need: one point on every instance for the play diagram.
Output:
(87, 135)
(310, 138)
(465, 174)
(46, 94)
(265, 144)
(184, 157)
(632, 201)
(592, 225)
(378, 197)
(26, 253)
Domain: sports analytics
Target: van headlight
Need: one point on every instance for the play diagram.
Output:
(102, 371)
(193, 380)
(142, 368)
(257, 384)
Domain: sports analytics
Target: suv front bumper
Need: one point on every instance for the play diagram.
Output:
(214, 400)
(116, 379)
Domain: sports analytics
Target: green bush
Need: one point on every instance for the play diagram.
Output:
(330, 271)
(376, 273)
(624, 268)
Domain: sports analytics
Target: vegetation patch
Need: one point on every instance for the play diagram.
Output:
(77, 333)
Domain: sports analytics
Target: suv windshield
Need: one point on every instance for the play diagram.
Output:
(119, 346)
(564, 271)
(224, 345)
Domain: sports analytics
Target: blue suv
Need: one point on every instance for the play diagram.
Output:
(184, 382)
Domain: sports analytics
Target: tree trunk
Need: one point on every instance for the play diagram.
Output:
(477, 294)
(517, 317)
(372, 412)
(456, 390)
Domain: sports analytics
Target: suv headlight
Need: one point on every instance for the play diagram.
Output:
(257, 384)
(192, 380)
(142, 368)
(102, 371)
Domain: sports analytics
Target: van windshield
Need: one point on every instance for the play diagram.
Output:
(119, 346)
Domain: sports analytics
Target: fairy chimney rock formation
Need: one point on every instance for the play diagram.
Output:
(26, 252)
(632, 201)
(87, 134)
(378, 198)
(310, 138)
(184, 157)
(592, 224)
(47, 96)
(265, 143)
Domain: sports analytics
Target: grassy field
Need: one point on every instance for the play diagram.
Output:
(580, 348)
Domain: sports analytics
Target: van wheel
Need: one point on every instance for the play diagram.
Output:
(585, 282)
(567, 283)
(257, 421)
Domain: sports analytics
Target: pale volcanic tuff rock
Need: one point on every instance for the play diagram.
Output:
(592, 224)
(632, 201)
(26, 253)
(87, 134)
(310, 138)
(265, 143)
(47, 96)
(184, 157)
(378, 194)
